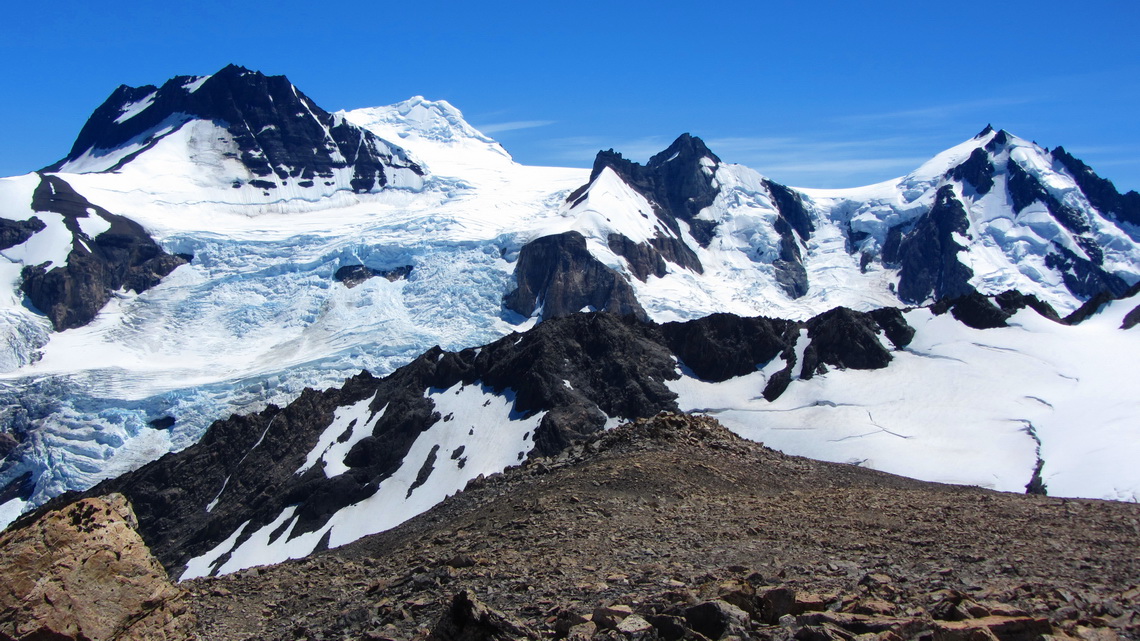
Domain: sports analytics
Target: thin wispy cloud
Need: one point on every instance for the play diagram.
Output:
(514, 125)
(936, 112)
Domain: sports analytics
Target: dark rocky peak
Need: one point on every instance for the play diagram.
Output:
(927, 253)
(674, 182)
(678, 183)
(279, 131)
(687, 149)
(1101, 193)
(985, 132)
(1000, 139)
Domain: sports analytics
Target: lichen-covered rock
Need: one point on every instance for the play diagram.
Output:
(83, 572)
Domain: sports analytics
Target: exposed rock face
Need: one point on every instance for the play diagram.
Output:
(122, 257)
(14, 232)
(927, 254)
(353, 275)
(558, 275)
(280, 133)
(1101, 192)
(794, 217)
(83, 573)
(845, 338)
(976, 170)
(675, 182)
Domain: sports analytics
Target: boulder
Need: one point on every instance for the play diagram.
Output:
(83, 572)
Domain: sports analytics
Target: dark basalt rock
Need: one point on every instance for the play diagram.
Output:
(649, 258)
(893, 324)
(123, 257)
(792, 209)
(162, 423)
(845, 339)
(1011, 301)
(977, 170)
(560, 276)
(927, 255)
(1097, 302)
(722, 346)
(16, 232)
(973, 310)
(1131, 319)
(280, 132)
(21, 487)
(353, 275)
(1101, 193)
(790, 273)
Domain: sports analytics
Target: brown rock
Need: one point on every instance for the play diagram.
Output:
(807, 602)
(609, 616)
(1003, 628)
(582, 631)
(873, 606)
(83, 572)
(634, 625)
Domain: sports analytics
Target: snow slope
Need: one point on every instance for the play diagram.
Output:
(962, 405)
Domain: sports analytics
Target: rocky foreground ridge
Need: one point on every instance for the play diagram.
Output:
(674, 528)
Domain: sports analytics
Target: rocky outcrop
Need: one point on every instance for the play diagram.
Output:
(649, 258)
(15, 232)
(977, 170)
(927, 254)
(281, 135)
(557, 276)
(1101, 193)
(847, 339)
(83, 573)
(353, 275)
(122, 257)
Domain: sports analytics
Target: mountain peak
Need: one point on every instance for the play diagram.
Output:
(685, 148)
(280, 135)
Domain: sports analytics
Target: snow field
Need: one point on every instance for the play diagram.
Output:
(957, 406)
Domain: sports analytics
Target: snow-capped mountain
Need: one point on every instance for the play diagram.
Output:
(322, 244)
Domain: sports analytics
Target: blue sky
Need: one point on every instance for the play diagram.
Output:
(823, 94)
